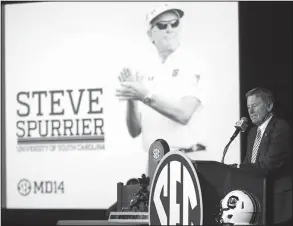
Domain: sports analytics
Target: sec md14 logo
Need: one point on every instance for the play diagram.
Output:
(26, 187)
(175, 196)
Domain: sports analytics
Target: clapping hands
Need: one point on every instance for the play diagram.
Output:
(126, 75)
(130, 89)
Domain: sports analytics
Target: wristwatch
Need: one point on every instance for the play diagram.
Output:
(148, 98)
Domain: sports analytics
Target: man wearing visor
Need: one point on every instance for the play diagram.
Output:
(162, 102)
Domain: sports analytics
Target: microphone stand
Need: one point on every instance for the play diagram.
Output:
(225, 151)
(227, 146)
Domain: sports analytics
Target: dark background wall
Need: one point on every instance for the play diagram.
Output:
(265, 30)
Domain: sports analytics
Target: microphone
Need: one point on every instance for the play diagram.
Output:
(240, 126)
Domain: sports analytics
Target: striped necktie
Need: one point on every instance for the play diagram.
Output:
(256, 145)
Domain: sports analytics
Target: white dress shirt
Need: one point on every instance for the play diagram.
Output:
(264, 125)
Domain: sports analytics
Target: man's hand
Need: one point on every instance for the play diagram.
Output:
(132, 91)
(127, 75)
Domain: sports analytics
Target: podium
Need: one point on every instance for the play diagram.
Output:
(212, 182)
(186, 192)
(218, 179)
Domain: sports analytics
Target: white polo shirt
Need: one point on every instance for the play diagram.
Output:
(181, 75)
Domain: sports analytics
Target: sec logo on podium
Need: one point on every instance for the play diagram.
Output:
(175, 196)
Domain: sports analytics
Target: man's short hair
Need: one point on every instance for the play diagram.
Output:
(265, 94)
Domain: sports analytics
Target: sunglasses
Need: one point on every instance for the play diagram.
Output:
(164, 24)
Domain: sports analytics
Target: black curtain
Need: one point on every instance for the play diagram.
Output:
(265, 42)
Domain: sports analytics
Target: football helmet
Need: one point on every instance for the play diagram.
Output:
(239, 207)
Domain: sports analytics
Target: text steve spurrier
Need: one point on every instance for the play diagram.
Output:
(60, 115)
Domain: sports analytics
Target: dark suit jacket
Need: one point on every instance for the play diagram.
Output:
(275, 158)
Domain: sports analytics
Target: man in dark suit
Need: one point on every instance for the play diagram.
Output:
(269, 149)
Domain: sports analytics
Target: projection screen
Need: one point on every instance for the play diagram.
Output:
(67, 143)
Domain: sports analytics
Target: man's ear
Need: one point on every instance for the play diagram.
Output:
(149, 34)
(270, 106)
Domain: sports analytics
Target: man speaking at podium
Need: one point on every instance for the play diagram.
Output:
(269, 149)
(161, 102)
